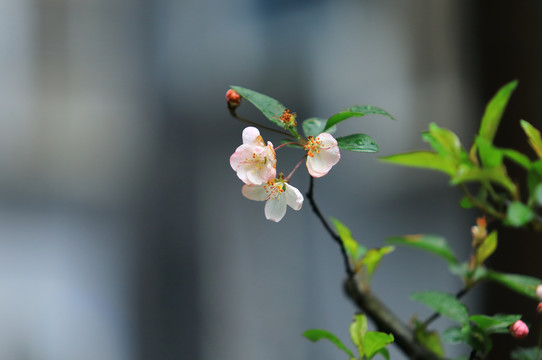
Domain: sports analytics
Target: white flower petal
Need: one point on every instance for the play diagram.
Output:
(294, 199)
(322, 161)
(251, 136)
(327, 140)
(275, 208)
(254, 192)
(254, 178)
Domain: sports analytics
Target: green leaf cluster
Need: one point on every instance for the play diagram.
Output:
(368, 343)
(363, 261)
(532, 353)
(273, 110)
(486, 165)
(474, 330)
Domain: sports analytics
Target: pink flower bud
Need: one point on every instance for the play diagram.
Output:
(233, 98)
(539, 291)
(539, 308)
(519, 329)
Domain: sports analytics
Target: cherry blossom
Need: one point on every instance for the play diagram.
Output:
(277, 193)
(254, 162)
(322, 154)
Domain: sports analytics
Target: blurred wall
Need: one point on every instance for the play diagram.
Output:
(123, 231)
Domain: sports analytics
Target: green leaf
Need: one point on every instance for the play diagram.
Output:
(486, 248)
(525, 285)
(445, 304)
(532, 353)
(469, 276)
(375, 341)
(384, 353)
(537, 167)
(315, 126)
(466, 203)
(478, 339)
(534, 176)
(455, 335)
(494, 111)
(358, 142)
(423, 159)
(535, 140)
(318, 334)
(429, 339)
(358, 330)
(445, 142)
(490, 156)
(432, 243)
(518, 214)
(494, 324)
(357, 111)
(517, 157)
(373, 257)
(271, 108)
(495, 175)
(353, 249)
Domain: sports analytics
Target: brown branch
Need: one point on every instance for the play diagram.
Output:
(387, 321)
(370, 304)
(336, 238)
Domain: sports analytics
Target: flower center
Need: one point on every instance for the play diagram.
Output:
(273, 189)
(312, 146)
(256, 162)
(288, 118)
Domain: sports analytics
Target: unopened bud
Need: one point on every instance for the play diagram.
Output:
(539, 308)
(519, 329)
(233, 98)
(539, 291)
(478, 235)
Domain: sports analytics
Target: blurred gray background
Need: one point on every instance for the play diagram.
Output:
(123, 231)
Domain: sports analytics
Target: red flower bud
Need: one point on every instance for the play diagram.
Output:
(539, 308)
(519, 329)
(233, 98)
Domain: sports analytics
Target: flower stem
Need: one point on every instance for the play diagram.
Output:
(287, 143)
(295, 168)
(234, 114)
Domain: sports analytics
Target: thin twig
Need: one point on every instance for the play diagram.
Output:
(484, 207)
(336, 238)
(436, 315)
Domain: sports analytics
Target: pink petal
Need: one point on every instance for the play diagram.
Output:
(241, 153)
